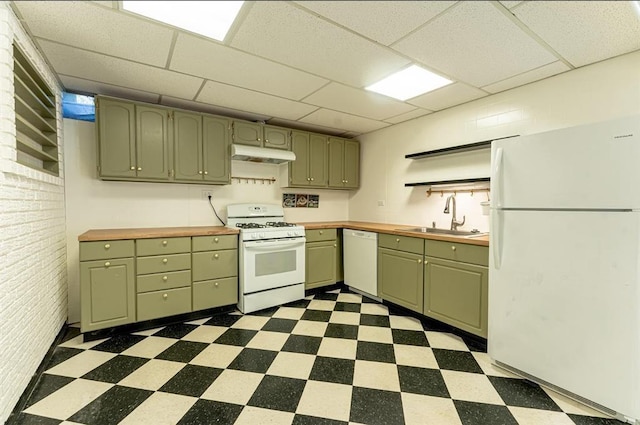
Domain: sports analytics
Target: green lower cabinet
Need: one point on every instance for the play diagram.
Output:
(107, 293)
(400, 278)
(320, 264)
(152, 305)
(215, 293)
(456, 293)
(339, 257)
(209, 265)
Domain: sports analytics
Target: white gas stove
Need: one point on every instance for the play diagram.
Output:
(272, 259)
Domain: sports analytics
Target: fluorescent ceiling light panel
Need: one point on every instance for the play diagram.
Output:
(410, 82)
(209, 18)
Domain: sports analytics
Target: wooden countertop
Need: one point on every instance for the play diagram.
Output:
(154, 232)
(394, 229)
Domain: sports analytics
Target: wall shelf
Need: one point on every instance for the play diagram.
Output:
(455, 149)
(450, 182)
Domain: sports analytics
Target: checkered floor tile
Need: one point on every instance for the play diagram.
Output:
(332, 358)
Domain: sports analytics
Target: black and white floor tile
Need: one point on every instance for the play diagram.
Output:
(332, 358)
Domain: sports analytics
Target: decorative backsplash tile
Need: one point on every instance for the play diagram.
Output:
(300, 200)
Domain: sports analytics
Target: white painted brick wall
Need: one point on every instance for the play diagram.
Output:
(33, 280)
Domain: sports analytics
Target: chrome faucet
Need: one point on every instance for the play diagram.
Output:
(454, 224)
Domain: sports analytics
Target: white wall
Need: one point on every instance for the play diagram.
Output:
(33, 286)
(598, 92)
(97, 204)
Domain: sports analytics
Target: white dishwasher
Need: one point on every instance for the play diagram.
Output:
(361, 261)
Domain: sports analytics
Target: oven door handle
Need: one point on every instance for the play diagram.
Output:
(270, 245)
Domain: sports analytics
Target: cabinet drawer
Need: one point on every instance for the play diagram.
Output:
(156, 304)
(210, 243)
(160, 246)
(103, 250)
(401, 243)
(215, 293)
(161, 281)
(215, 264)
(316, 235)
(163, 263)
(465, 253)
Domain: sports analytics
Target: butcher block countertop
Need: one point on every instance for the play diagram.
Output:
(154, 232)
(395, 229)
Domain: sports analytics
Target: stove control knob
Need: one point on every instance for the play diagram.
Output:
(262, 235)
(290, 234)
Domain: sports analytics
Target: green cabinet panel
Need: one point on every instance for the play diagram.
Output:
(465, 253)
(107, 294)
(152, 305)
(336, 162)
(152, 143)
(116, 136)
(209, 243)
(339, 257)
(215, 293)
(400, 278)
(276, 137)
(401, 243)
(318, 160)
(160, 246)
(351, 164)
(317, 235)
(456, 293)
(163, 263)
(102, 250)
(247, 133)
(344, 163)
(161, 281)
(216, 158)
(215, 264)
(299, 169)
(320, 264)
(187, 146)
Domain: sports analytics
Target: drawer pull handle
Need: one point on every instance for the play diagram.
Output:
(165, 278)
(419, 261)
(216, 256)
(215, 284)
(107, 246)
(216, 240)
(164, 243)
(453, 248)
(165, 296)
(107, 264)
(164, 261)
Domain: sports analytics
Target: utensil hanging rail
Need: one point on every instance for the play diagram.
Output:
(455, 191)
(262, 180)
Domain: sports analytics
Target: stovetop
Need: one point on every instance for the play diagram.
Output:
(262, 221)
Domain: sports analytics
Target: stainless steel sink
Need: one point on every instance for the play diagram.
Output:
(436, 231)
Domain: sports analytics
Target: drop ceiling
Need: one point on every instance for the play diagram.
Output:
(305, 64)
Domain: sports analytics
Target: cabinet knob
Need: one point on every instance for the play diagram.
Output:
(107, 246)
(216, 240)
(133, 168)
(107, 264)
(419, 260)
(266, 140)
(346, 181)
(335, 245)
(199, 172)
(164, 243)
(165, 278)
(139, 168)
(206, 172)
(215, 284)
(165, 296)
(216, 256)
(320, 232)
(426, 262)
(311, 178)
(398, 240)
(453, 248)
(164, 261)
(308, 179)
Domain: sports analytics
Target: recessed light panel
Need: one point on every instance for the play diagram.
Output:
(209, 18)
(410, 82)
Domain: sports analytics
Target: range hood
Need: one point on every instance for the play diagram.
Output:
(256, 154)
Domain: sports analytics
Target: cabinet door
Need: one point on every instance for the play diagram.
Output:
(187, 142)
(336, 162)
(299, 169)
(276, 137)
(456, 293)
(152, 143)
(247, 133)
(317, 160)
(400, 278)
(351, 164)
(215, 148)
(116, 138)
(107, 293)
(339, 258)
(320, 264)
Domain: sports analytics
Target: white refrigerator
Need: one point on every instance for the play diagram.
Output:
(564, 280)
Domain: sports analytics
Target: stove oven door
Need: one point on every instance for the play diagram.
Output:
(272, 263)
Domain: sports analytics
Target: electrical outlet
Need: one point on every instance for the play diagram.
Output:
(206, 194)
(381, 203)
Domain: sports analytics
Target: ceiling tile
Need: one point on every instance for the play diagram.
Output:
(382, 21)
(340, 120)
(475, 43)
(280, 31)
(510, 4)
(306, 126)
(447, 96)
(211, 109)
(528, 77)
(92, 66)
(94, 87)
(217, 62)
(408, 116)
(356, 101)
(584, 31)
(248, 100)
(89, 27)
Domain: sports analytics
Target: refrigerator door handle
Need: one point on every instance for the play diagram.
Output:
(496, 179)
(496, 237)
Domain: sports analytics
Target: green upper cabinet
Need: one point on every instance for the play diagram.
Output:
(255, 134)
(215, 150)
(344, 163)
(116, 135)
(152, 143)
(187, 146)
(318, 160)
(310, 167)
